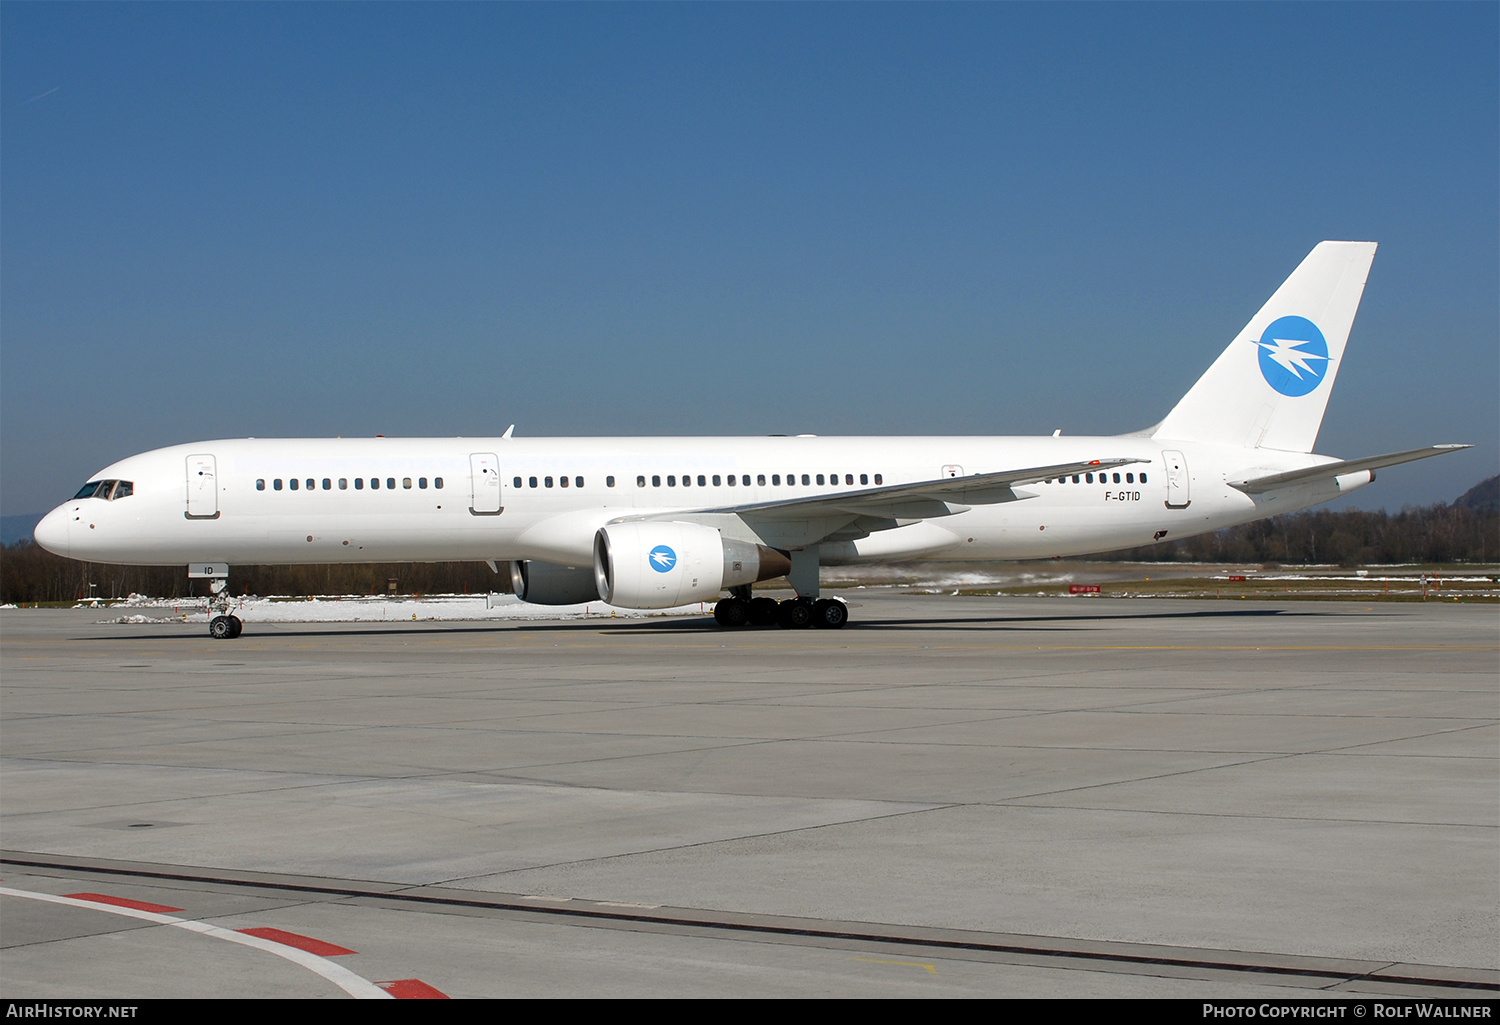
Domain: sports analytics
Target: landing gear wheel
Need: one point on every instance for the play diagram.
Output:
(236, 626)
(795, 614)
(221, 627)
(830, 614)
(763, 611)
(731, 612)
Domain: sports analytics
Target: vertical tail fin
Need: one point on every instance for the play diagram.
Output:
(1269, 389)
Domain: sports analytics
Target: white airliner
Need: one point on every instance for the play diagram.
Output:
(659, 522)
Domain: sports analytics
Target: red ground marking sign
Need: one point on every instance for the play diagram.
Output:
(1083, 589)
(122, 902)
(292, 939)
(412, 989)
(1236, 578)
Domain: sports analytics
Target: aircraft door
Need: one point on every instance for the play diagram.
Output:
(202, 488)
(1177, 480)
(484, 479)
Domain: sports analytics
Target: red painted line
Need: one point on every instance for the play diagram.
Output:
(123, 902)
(291, 939)
(412, 989)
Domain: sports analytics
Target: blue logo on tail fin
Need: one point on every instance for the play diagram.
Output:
(1293, 356)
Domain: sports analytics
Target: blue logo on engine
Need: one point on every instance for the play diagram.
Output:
(662, 559)
(1293, 355)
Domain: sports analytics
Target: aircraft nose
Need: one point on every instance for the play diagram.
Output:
(52, 532)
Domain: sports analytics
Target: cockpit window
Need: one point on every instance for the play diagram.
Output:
(106, 489)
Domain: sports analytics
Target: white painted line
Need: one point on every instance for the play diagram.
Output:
(355, 985)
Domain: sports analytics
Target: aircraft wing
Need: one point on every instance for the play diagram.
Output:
(1291, 478)
(849, 515)
(941, 497)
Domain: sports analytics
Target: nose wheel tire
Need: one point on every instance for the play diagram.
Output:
(222, 628)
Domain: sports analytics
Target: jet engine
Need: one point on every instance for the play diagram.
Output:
(656, 565)
(546, 583)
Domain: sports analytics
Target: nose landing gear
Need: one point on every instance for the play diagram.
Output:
(222, 624)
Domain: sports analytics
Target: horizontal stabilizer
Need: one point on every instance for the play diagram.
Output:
(1327, 471)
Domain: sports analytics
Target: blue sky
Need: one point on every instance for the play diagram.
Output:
(307, 220)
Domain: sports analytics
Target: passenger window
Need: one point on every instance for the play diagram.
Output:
(390, 483)
(671, 481)
(848, 478)
(805, 479)
(327, 484)
(563, 481)
(1075, 478)
(879, 478)
(533, 481)
(1117, 478)
(609, 481)
(276, 484)
(745, 480)
(776, 480)
(260, 485)
(1089, 477)
(293, 483)
(761, 480)
(437, 482)
(422, 483)
(515, 483)
(820, 478)
(1130, 478)
(359, 483)
(640, 482)
(343, 483)
(578, 482)
(702, 480)
(656, 480)
(717, 480)
(406, 483)
(547, 481)
(1143, 478)
(864, 478)
(732, 480)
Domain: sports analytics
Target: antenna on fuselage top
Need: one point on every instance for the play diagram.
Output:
(508, 431)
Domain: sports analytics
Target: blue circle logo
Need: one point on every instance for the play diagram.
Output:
(1293, 355)
(662, 559)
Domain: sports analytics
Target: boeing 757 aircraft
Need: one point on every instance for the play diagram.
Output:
(651, 523)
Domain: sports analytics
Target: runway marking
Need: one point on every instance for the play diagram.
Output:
(123, 902)
(355, 985)
(292, 939)
(412, 989)
(931, 970)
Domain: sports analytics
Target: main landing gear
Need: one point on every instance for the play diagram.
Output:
(792, 614)
(799, 613)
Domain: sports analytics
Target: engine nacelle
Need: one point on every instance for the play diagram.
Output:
(546, 583)
(652, 565)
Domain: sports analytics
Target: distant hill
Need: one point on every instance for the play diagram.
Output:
(1482, 497)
